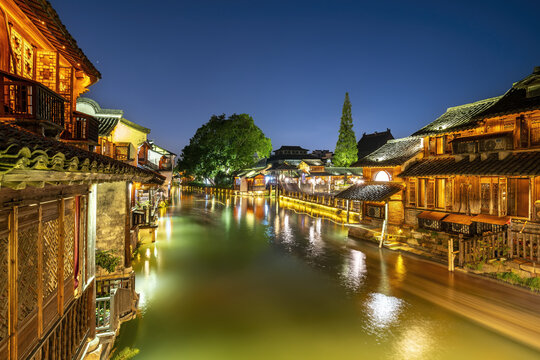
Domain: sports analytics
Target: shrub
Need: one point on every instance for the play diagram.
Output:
(105, 259)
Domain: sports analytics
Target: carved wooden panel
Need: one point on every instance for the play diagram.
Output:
(23, 54)
(28, 271)
(50, 257)
(69, 245)
(46, 69)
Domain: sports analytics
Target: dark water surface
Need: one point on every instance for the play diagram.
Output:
(244, 279)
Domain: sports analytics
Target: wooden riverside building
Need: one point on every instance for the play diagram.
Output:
(480, 171)
(482, 161)
(51, 182)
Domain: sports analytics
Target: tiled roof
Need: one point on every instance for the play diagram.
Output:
(287, 147)
(21, 149)
(517, 99)
(519, 163)
(457, 118)
(292, 157)
(45, 18)
(373, 191)
(343, 170)
(106, 125)
(320, 173)
(393, 153)
(371, 142)
(284, 167)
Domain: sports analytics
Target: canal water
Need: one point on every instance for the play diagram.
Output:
(246, 279)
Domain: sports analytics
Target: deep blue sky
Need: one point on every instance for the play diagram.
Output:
(172, 64)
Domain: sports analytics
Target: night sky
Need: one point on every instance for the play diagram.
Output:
(170, 65)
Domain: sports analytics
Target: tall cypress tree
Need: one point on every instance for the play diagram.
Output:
(346, 151)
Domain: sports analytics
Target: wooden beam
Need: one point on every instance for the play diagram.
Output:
(12, 276)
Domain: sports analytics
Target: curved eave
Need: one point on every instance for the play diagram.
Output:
(21, 178)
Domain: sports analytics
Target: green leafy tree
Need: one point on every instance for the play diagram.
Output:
(223, 146)
(346, 151)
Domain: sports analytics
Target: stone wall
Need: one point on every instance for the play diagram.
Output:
(111, 219)
(411, 217)
(436, 243)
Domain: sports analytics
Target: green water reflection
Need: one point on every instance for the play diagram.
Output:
(244, 279)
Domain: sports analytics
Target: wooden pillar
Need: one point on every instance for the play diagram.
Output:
(385, 224)
(451, 255)
(61, 255)
(461, 250)
(348, 210)
(40, 272)
(13, 276)
(127, 229)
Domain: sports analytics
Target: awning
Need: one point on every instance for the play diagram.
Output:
(370, 191)
(458, 219)
(492, 219)
(432, 215)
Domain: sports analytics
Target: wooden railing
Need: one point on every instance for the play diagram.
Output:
(84, 128)
(104, 286)
(106, 318)
(114, 299)
(483, 248)
(25, 99)
(524, 245)
(66, 339)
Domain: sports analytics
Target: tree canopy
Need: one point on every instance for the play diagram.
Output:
(346, 151)
(223, 146)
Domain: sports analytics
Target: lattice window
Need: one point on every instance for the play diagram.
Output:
(430, 192)
(64, 89)
(23, 53)
(46, 69)
(485, 197)
(50, 257)
(69, 245)
(28, 271)
(375, 211)
(3, 284)
(412, 192)
(535, 131)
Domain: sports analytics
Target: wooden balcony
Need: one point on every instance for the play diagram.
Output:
(31, 104)
(82, 128)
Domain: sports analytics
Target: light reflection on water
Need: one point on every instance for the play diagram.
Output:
(243, 278)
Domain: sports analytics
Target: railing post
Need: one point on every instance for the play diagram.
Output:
(461, 250)
(112, 311)
(451, 255)
(510, 243)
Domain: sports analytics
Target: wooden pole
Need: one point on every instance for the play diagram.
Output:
(61, 255)
(385, 224)
(13, 276)
(40, 271)
(127, 228)
(451, 255)
(348, 211)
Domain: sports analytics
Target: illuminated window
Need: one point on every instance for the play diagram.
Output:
(382, 176)
(412, 192)
(440, 193)
(518, 197)
(430, 193)
(422, 192)
(440, 145)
